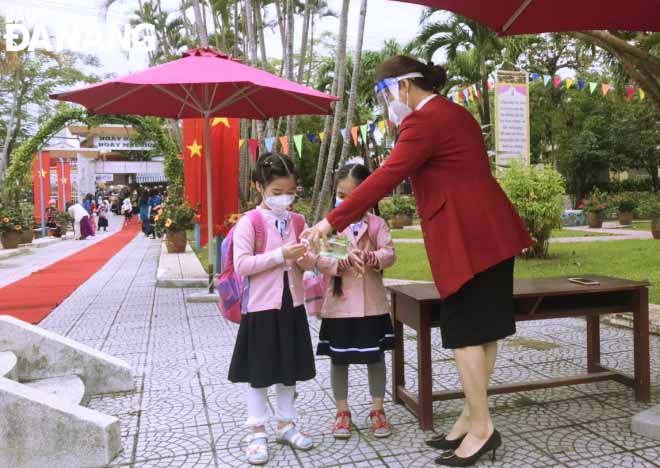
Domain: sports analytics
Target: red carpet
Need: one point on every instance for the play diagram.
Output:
(32, 298)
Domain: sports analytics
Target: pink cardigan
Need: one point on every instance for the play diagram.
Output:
(266, 271)
(366, 295)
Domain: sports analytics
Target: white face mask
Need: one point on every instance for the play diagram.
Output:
(397, 111)
(279, 203)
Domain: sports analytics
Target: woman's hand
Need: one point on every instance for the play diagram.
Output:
(294, 251)
(314, 234)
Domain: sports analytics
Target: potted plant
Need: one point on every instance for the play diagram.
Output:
(10, 229)
(594, 205)
(26, 214)
(654, 210)
(174, 219)
(626, 205)
(404, 209)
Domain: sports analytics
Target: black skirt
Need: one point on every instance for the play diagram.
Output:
(481, 311)
(360, 340)
(103, 222)
(273, 346)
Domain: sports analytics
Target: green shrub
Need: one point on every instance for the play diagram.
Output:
(304, 207)
(653, 207)
(397, 204)
(626, 202)
(538, 195)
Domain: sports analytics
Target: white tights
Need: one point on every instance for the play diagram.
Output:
(257, 405)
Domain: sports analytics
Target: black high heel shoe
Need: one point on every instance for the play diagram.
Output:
(442, 443)
(451, 459)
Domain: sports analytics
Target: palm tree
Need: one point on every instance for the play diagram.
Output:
(458, 34)
(200, 24)
(340, 73)
(290, 16)
(355, 80)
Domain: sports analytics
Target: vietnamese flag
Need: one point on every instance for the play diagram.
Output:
(41, 176)
(193, 160)
(225, 134)
(63, 169)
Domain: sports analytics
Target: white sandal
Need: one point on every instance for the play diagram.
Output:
(257, 451)
(291, 436)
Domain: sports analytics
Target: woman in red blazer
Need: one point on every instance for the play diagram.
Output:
(472, 234)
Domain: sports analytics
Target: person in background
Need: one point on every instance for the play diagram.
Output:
(103, 210)
(143, 206)
(52, 226)
(127, 210)
(81, 226)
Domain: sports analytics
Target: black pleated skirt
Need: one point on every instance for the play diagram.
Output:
(360, 340)
(273, 346)
(482, 311)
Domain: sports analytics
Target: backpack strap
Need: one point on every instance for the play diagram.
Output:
(298, 222)
(260, 232)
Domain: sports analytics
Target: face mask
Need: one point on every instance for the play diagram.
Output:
(338, 202)
(397, 111)
(279, 203)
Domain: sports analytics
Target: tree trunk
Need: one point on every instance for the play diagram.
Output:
(355, 78)
(12, 124)
(485, 99)
(291, 121)
(199, 24)
(270, 126)
(305, 38)
(308, 75)
(282, 28)
(326, 188)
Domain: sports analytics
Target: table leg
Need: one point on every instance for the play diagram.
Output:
(424, 370)
(398, 372)
(641, 344)
(593, 343)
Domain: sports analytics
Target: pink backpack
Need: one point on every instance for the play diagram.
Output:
(233, 289)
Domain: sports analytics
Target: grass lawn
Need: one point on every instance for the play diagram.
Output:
(415, 234)
(630, 259)
(642, 226)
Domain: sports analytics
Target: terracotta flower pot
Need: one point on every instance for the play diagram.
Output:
(10, 239)
(595, 219)
(407, 220)
(26, 237)
(397, 221)
(176, 241)
(655, 228)
(625, 218)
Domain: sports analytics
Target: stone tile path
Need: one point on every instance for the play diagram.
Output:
(185, 413)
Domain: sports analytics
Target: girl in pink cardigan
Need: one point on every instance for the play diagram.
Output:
(356, 327)
(273, 346)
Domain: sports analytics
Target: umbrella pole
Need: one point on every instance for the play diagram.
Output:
(209, 197)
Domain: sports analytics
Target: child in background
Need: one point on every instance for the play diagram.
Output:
(356, 326)
(273, 346)
(103, 210)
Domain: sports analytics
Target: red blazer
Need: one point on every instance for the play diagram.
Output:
(468, 222)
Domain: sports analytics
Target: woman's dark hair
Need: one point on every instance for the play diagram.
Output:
(359, 173)
(434, 78)
(271, 166)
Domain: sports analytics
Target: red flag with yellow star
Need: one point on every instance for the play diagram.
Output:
(63, 183)
(193, 160)
(41, 177)
(225, 134)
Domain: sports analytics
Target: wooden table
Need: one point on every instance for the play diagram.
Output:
(417, 306)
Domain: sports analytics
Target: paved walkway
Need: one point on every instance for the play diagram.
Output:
(15, 268)
(185, 413)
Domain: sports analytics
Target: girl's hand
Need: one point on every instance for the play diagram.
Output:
(294, 251)
(371, 260)
(356, 261)
(343, 266)
(314, 234)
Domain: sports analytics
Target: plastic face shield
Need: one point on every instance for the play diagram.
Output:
(387, 90)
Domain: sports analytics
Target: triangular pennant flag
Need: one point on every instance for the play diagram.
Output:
(569, 83)
(546, 79)
(457, 98)
(253, 145)
(642, 94)
(270, 141)
(581, 84)
(284, 141)
(364, 129)
(477, 91)
(381, 126)
(470, 93)
(372, 127)
(321, 135)
(451, 98)
(592, 87)
(220, 120)
(466, 95)
(298, 141)
(630, 92)
(344, 133)
(534, 76)
(312, 137)
(378, 136)
(605, 88)
(354, 134)
(240, 143)
(556, 81)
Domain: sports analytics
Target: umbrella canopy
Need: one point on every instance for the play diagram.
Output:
(202, 83)
(509, 17)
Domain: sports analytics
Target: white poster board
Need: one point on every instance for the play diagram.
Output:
(512, 140)
(107, 144)
(86, 176)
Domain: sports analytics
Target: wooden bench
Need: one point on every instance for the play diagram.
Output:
(416, 305)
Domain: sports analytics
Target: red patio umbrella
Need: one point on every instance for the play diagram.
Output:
(510, 17)
(204, 83)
